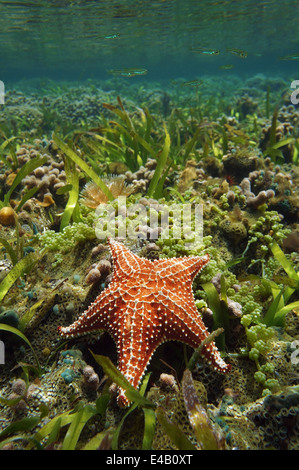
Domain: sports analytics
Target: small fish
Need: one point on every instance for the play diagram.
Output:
(226, 67)
(290, 57)
(204, 51)
(130, 72)
(96, 37)
(192, 83)
(111, 36)
(238, 52)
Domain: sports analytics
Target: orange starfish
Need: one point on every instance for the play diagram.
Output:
(147, 303)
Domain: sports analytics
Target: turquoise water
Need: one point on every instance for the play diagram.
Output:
(166, 103)
(83, 39)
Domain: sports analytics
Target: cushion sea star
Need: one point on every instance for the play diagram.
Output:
(147, 303)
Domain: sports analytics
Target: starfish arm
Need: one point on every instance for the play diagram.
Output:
(136, 343)
(186, 325)
(186, 267)
(125, 263)
(97, 317)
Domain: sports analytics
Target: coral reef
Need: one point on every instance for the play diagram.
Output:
(156, 149)
(254, 201)
(239, 163)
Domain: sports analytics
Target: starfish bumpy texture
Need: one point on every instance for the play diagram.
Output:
(147, 303)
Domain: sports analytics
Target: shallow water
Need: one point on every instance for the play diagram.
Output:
(160, 102)
(82, 39)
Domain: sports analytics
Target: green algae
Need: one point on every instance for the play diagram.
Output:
(195, 356)
(207, 436)
(15, 331)
(9, 249)
(180, 440)
(7, 143)
(76, 419)
(150, 420)
(136, 135)
(34, 315)
(131, 393)
(218, 305)
(64, 241)
(157, 182)
(275, 315)
(71, 210)
(83, 165)
(20, 268)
